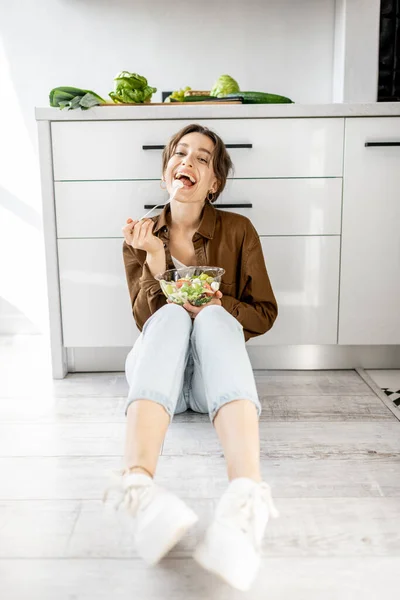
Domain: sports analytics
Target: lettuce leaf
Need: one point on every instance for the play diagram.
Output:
(131, 88)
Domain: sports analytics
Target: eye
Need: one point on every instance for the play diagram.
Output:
(181, 153)
(203, 159)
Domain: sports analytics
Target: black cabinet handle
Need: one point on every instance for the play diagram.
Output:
(159, 147)
(240, 205)
(382, 143)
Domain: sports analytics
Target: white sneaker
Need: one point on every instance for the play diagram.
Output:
(161, 518)
(232, 544)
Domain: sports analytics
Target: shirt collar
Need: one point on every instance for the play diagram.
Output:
(207, 223)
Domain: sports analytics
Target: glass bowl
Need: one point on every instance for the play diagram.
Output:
(195, 285)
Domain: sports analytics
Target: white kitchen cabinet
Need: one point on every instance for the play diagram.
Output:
(304, 274)
(324, 205)
(95, 302)
(308, 206)
(370, 260)
(101, 150)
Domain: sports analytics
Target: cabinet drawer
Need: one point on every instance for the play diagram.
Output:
(279, 206)
(304, 274)
(99, 150)
(95, 303)
(288, 206)
(96, 311)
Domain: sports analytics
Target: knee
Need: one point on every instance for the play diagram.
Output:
(175, 313)
(214, 311)
(214, 315)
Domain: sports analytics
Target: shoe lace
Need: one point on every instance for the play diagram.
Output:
(131, 497)
(248, 511)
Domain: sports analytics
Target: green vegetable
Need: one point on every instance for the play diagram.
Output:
(260, 98)
(178, 95)
(199, 98)
(131, 88)
(223, 86)
(71, 97)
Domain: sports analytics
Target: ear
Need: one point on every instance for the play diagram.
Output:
(215, 185)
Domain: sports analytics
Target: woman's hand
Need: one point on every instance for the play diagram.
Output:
(194, 310)
(138, 234)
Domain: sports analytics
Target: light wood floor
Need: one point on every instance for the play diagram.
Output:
(330, 451)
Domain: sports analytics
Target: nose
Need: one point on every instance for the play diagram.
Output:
(187, 161)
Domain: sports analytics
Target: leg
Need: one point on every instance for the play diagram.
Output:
(236, 423)
(232, 545)
(155, 373)
(147, 424)
(155, 376)
(237, 427)
(223, 375)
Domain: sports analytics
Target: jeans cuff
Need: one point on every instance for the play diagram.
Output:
(154, 396)
(229, 398)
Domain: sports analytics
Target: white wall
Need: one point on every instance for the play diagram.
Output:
(356, 51)
(278, 46)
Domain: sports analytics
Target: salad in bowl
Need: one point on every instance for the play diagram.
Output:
(195, 285)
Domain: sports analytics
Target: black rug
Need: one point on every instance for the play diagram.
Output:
(393, 395)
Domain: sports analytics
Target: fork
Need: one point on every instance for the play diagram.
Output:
(176, 186)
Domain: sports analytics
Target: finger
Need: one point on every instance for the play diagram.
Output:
(135, 233)
(144, 230)
(130, 223)
(128, 229)
(140, 232)
(191, 309)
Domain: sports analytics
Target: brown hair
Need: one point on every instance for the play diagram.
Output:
(221, 160)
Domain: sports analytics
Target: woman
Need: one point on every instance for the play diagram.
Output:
(173, 365)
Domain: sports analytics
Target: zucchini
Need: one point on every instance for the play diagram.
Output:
(259, 98)
(197, 98)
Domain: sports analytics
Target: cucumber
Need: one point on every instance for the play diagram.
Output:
(260, 98)
(197, 98)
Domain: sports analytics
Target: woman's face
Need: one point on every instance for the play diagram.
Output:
(192, 163)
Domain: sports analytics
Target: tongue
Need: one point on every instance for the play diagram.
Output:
(186, 182)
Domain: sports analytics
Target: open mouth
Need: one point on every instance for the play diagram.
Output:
(187, 180)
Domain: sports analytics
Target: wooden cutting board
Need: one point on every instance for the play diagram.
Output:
(171, 103)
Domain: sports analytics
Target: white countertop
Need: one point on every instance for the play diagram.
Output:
(215, 111)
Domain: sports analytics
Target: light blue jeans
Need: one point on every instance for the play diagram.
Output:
(182, 363)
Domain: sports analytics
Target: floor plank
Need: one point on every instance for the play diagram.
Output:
(306, 527)
(288, 578)
(274, 408)
(193, 476)
(37, 384)
(277, 439)
(298, 440)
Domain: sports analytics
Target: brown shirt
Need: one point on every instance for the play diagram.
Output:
(223, 239)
